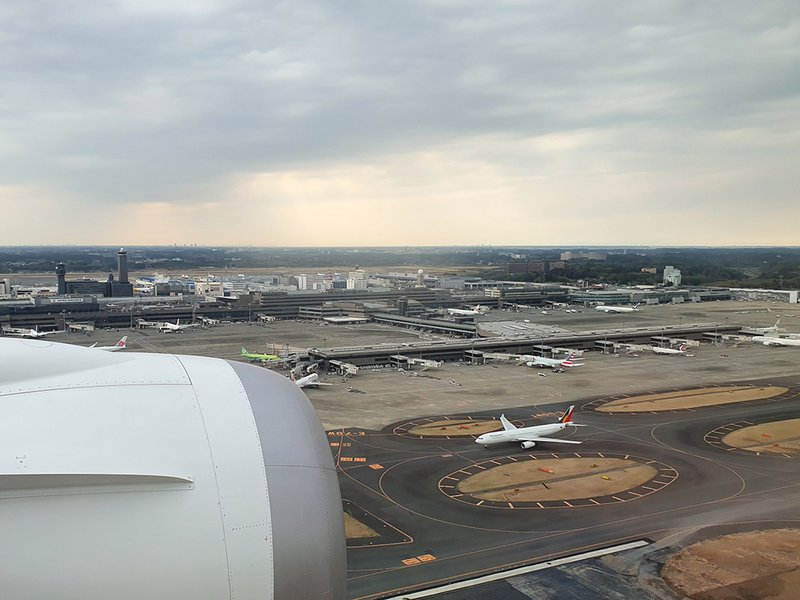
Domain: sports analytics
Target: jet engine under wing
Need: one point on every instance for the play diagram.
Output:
(131, 475)
(545, 439)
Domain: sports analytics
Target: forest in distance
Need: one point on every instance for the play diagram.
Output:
(759, 267)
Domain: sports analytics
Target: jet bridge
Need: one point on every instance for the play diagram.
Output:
(344, 368)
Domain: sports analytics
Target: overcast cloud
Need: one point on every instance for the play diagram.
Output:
(380, 122)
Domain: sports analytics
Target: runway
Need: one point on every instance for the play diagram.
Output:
(435, 533)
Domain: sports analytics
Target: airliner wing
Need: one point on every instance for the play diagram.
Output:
(534, 438)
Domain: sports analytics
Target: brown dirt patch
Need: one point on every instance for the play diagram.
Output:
(571, 479)
(783, 586)
(780, 437)
(453, 428)
(692, 398)
(761, 564)
(353, 528)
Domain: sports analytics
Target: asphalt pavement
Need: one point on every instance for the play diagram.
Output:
(396, 477)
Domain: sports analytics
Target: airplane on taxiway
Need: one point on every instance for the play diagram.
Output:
(527, 437)
(120, 345)
(607, 308)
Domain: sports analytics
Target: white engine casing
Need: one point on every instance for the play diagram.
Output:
(131, 475)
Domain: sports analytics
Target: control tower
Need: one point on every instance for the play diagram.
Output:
(61, 274)
(122, 264)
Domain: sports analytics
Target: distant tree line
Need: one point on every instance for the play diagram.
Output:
(728, 267)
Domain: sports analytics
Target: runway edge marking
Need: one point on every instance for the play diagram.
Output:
(460, 585)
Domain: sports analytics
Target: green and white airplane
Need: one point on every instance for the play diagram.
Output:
(255, 356)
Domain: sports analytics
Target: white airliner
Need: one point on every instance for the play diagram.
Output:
(311, 381)
(30, 333)
(15, 331)
(203, 479)
(552, 363)
(120, 345)
(768, 340)
(528, 436)
(661, 350)
(167, 327)
(764, 330)
(469, 312)
(617, 309)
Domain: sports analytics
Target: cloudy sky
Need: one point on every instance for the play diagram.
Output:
(380, 122)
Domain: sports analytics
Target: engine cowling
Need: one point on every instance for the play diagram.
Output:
(179, 476)
(527, 445)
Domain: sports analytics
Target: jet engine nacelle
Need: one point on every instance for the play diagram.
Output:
(131, 475)
(527, 445)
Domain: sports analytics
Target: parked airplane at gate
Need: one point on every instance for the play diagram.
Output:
(255, 356)
(311, 380)
(777, 341)
(120, 345)
(30, 333)
(617, 309)
(552, 363)
(660, 350)
(471, 312)
(528, 436)
(764, 330)
(166, 327)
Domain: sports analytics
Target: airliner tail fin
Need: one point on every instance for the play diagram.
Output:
(507, 426)
(567, 416)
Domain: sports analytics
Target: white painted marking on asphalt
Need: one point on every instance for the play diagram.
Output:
(460, 585)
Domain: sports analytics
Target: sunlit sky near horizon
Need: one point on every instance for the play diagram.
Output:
(430, 122)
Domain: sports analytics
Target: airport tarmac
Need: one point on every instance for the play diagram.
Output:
(375, 397)
(395, 481)
(416, 485)
(748, 314)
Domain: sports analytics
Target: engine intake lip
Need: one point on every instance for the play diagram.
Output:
(302, 485)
